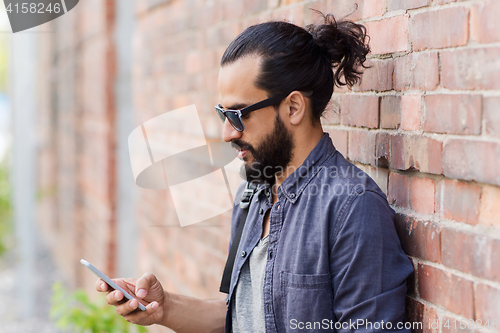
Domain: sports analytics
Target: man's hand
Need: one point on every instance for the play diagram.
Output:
(147, 289)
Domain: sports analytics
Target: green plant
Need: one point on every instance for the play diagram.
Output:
(78, 313)
(5, 207)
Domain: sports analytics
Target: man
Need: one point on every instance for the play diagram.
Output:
(319, 250)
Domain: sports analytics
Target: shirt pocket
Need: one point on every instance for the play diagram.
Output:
(307, 302)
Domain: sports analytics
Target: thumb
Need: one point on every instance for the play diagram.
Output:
(144, 284)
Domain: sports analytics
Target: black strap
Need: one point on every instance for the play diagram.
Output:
(246, 198)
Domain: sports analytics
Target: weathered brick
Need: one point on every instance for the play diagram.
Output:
(471, 69)
(458, 201)
(487, 305)
(484, 23)
(416, 71)
(472, 160)
(372, 8)
(414, 313)
(362, 146)
(378, 77)
(358, 110)
(490, 208)
(422, 195)
(446, 289)
(339, 138)
(410, 112)
(454, 114)
(440, 28)
(420, 239)
(416, 152)
(471, 253)
(382, 150)
(454, 325)
(388, 35)
(406, 4)
(390, 112)
(491, 115)
(399, 186)
(379, 175)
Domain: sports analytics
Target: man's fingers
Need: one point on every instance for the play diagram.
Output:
(134, 316)
(114, 297)
(101, 286)
(143, 284)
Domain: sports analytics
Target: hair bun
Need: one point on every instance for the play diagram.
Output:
(345, 43)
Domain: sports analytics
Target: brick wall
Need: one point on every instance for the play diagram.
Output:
(424, 123)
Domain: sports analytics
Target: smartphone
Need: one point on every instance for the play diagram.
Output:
(110, 282)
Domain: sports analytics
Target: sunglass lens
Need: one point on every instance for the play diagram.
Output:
(221, 115)
(234, 120)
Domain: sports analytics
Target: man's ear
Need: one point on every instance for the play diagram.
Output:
(296, 107)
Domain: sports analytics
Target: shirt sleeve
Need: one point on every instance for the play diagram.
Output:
(369, 268)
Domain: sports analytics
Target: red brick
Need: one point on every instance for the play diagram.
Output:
(490, 208)
(446, 289)
(362, 146)
(440, 28)
(431, 320)
(378, 77)
(471, 253)
(422, 195)
(339, 138)
(456, 325)
(399, 186)
(379, 175)
(420, 239)
(484, 23)
(491, 114)
(383, 150)
(410, 112)
(416, 71)
(406, 4)
(472, 160)
(453, 114)
(471, 69)
(487, 302)
(458, 201)
(372, 8)
(390, 112)
(417, 153)
(415, 314)
(388, 35)
(361, 111)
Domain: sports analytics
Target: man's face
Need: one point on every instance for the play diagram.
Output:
(266, 145)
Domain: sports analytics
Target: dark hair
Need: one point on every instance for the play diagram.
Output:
(301, 59)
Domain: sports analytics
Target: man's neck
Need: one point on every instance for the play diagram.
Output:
(304, 144)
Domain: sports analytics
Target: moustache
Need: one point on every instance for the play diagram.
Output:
(239, 145)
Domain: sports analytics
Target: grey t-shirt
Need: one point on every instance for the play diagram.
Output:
(248, 308)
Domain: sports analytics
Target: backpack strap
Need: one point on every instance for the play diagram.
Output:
(245, 200)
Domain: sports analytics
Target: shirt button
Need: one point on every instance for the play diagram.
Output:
(268, 193)
(243, 254)
(292, 195)
(261, 211)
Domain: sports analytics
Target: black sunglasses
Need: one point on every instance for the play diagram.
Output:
(234, 116)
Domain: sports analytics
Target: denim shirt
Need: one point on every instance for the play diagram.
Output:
(334, 260)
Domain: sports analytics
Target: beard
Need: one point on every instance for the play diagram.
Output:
(270, 158)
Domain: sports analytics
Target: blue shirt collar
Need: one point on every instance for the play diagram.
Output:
(293, 186)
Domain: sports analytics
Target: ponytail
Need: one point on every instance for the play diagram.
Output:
(346, 45)
(308, 60)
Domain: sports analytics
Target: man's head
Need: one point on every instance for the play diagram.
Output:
(279, 58)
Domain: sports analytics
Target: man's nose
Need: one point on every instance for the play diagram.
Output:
(229, 133)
